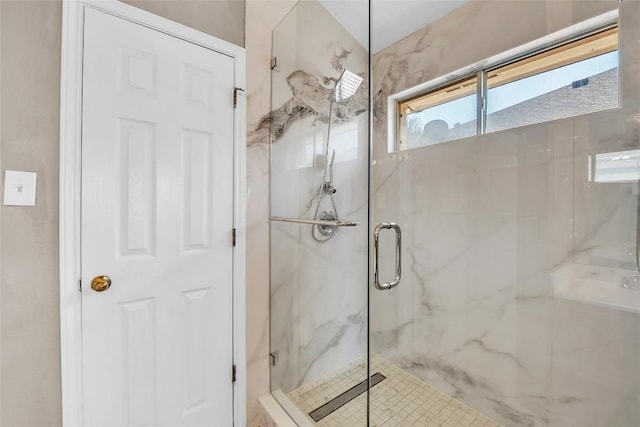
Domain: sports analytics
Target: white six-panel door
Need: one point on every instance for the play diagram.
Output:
(157, 215)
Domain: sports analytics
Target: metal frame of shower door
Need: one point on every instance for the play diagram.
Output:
(369, 212)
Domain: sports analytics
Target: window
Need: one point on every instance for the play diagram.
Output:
(438, 116)
(576, 77)
(573, 79)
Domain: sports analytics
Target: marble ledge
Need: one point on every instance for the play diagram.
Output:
(598, 285)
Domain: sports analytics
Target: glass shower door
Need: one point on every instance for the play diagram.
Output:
(518, 303)
(319, 215)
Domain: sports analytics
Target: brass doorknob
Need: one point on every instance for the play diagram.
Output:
(101, 283)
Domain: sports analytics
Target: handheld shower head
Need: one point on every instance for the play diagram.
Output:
(333, 158)
(346, 86)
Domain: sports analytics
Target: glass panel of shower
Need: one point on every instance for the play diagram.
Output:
(519, 297)
(319, 213)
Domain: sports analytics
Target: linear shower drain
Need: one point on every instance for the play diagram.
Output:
(344, 398)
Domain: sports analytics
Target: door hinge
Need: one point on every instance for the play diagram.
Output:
(80, 285)
(233, 237)
(233, 373)
(274, 63)
(235, 96)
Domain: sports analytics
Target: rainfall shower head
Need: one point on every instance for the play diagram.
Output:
(346, 86)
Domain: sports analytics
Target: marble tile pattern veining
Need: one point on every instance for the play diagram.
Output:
(488, 220)
(318, 290)
(261, 17)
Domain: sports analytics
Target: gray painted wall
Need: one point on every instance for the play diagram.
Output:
(221, 18)
(29, 140)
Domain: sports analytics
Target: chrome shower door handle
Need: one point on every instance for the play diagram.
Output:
(376, 251)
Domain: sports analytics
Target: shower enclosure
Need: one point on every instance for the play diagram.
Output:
(479, 280)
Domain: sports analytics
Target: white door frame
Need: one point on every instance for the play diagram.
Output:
(70, 200)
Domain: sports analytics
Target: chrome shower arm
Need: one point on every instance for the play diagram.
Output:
(326, 145)
(333, 158)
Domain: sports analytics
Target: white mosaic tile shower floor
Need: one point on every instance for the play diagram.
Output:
(401, 400)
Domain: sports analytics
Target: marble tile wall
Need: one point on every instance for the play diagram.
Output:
(489, 219)
(306, 345)
(262, 16)
(318, 290)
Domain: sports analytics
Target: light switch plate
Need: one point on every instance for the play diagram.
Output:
(19, 188)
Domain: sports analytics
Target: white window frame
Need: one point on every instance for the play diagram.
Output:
(480, 68)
